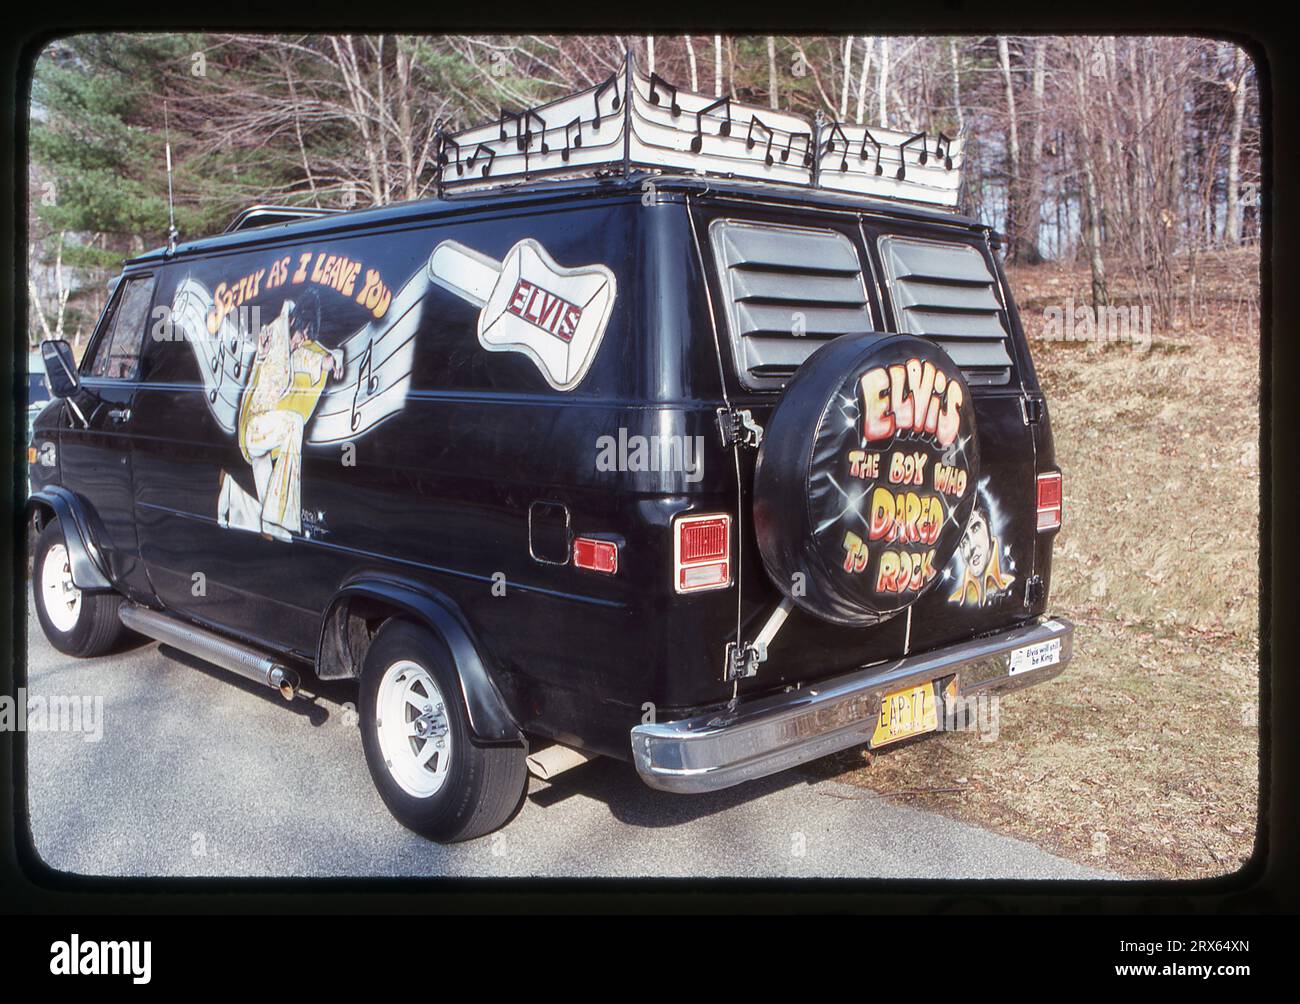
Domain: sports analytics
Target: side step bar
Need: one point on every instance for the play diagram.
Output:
(231, 655)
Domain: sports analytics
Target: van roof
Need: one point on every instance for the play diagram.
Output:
(532, 193)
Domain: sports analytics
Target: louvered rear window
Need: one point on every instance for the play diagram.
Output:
(788, 290)
(945, 293)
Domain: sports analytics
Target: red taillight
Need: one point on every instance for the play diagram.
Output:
(704, 539)
(595, 555)
(702, 553)
(1049, 501)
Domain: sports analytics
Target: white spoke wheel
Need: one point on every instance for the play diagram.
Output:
(75, 622)
(432, 771)
(411, 719)
(61, 599)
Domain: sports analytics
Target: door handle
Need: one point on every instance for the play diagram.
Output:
(119, 414)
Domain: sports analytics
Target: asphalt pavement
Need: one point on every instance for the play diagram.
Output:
(187, 771)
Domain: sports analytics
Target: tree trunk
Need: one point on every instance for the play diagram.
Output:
(717, 66)
(771, 73)
(956, 85)
(862, 78)
(848, 77)
(884, 79)
(1232, 224)
(690, 59)
(1013, 222)
(1033, 209)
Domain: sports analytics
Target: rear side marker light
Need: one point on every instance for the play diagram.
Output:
(595, 555)
(1049, 501)
(702, 553)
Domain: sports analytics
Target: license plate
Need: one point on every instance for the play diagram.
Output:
(1045, 653)
(907, 712)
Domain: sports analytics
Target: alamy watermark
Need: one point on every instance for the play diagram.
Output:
(1098, 325)
(684, 454)
(55, 713)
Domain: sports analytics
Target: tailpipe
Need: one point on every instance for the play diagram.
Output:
(230, 655)
(547, 763)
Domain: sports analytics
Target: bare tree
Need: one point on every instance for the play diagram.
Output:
(863, 74)
(772, 99)
(1014, 225)
(690, 57)
(1232, 223)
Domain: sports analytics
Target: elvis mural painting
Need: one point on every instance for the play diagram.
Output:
(911, 461)
(913, 454)
(279, 386)
(978, 561)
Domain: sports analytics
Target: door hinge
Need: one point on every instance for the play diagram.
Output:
(738, 428)
(743, 660)
(1032, 409)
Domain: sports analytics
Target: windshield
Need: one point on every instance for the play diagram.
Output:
(37, 392)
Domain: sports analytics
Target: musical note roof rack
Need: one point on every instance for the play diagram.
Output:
(632, 121)
(265, 216)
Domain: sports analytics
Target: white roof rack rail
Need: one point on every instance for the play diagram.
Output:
(664, 128)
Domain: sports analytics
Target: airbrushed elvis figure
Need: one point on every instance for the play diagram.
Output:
(982, 577)
(288, 376)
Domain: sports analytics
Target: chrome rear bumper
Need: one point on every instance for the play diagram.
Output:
(761, 737)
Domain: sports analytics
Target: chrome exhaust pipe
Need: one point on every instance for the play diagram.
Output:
(553, 760)
(210, 647)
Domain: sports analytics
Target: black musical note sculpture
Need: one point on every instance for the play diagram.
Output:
(523, 128)
(697, 141)
(807, 147)
(473, 158)
(749, 138)
(530, 117)
(943, 148)
(576, 142)
(445, 141)
(614, 105)
(656, 82)
(902, 154)
(862, 153)
(830, 145)
(507, 117)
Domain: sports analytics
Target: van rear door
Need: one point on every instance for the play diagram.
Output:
(784, 281)
(949, 290)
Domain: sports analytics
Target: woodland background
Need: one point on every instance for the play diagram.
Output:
(1125, 173)
(1132, 156)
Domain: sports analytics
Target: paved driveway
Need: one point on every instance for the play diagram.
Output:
(193, 774)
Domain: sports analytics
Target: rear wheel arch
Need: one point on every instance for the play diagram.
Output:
(362, 605)
(77, 518)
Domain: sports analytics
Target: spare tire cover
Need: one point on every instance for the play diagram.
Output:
(866, 477)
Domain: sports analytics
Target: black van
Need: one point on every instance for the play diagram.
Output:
(713, 472)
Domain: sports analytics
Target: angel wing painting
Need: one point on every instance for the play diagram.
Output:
(279, 389)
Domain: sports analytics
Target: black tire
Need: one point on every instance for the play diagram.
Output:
(828, 513)
(483, 786)
(96, 629)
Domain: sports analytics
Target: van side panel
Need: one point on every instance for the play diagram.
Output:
(440, 490)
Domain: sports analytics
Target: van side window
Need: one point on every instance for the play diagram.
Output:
(117, 353)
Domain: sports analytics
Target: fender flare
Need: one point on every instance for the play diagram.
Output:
(89, 570)
(489, 718)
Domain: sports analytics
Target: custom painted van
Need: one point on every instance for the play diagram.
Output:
(680, 453)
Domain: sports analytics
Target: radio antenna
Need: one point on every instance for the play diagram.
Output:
(172, 232)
